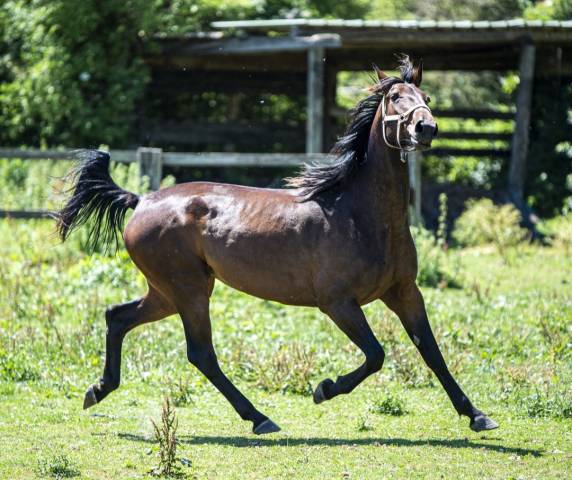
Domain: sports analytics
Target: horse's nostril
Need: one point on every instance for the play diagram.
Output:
(419, 126)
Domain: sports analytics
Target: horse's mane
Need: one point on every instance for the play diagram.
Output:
(350, 149)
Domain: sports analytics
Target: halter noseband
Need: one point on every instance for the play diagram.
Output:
(399, 118)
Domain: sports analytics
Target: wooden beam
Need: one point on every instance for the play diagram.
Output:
(260, 45)
(517, 167)
(122, 156)
(215, 159)
(476, 114)
(315, 101)
(246, 136)
(26, 214)
(467, 152)
(475, 136)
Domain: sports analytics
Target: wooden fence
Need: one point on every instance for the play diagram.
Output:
(152, 160)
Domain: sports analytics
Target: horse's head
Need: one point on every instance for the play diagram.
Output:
(407, 122)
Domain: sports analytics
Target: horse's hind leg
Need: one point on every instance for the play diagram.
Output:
(407, 302)
(200, 352)
(121, 319)
(349, 317)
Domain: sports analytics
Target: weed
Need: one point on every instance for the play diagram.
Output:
(547, 404)
(165, 434)
(180, 391)
(364, 423)
(391, 404)
(289, 370)
(57, 466)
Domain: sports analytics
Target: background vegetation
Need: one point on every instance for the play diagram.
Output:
(72, 74)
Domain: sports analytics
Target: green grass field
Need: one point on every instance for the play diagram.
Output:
(506, 334)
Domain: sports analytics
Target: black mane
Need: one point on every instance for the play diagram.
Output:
(350, 149)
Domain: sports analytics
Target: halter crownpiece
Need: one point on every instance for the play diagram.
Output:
(399, 118)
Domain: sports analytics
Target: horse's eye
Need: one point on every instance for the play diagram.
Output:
(395, 97)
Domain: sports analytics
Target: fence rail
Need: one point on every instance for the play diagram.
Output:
(152, 160)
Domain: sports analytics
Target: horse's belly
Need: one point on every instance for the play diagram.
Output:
(276, 288)
(271, 268)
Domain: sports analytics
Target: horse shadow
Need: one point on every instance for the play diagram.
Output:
(245, 442)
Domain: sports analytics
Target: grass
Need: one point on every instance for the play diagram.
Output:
(506, 334)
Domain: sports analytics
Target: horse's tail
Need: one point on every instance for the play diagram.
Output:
(95, 194)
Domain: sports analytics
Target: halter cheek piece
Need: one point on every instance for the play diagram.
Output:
(400, 119)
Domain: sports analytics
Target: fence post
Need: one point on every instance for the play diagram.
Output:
(315, 101)
(150, 162)
(414, 166)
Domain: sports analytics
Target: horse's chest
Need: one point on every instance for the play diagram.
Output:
(386, 259)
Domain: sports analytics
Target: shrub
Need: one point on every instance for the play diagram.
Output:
(389, 405)
(57, 466)
(543, 405)
(560, 231)
(486, 223)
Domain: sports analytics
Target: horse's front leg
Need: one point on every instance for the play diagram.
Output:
(349, 317)
(407, 302)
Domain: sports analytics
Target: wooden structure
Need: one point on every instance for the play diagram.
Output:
(301, 57)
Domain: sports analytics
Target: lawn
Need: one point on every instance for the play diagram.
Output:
(506, 334)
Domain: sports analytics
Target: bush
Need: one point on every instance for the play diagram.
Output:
(71, 72)
(559, 229)
(57, 466)
(389, 405)
(486, 223)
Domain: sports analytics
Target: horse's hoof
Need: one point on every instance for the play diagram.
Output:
(267, 426)
(319, 394)
(481, 423)
(90, 399)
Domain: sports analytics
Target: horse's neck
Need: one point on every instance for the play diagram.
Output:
(383, 182)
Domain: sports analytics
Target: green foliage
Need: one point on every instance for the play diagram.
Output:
(289, 369)
(71, 71)
(58, 466)
(483, 222)
(390, 404)
(436, 264)
(541, 405)
(180, 391)
(560, 231)
(364, 423)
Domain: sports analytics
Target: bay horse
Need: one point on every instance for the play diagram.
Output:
(337, 239)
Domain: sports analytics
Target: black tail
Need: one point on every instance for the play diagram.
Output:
(95, 194)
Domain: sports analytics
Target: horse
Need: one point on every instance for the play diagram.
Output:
(336, 238)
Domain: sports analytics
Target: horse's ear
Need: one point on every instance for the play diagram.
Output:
(380, 75)
(418, 73)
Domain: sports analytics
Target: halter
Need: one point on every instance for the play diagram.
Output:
(399, 118)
